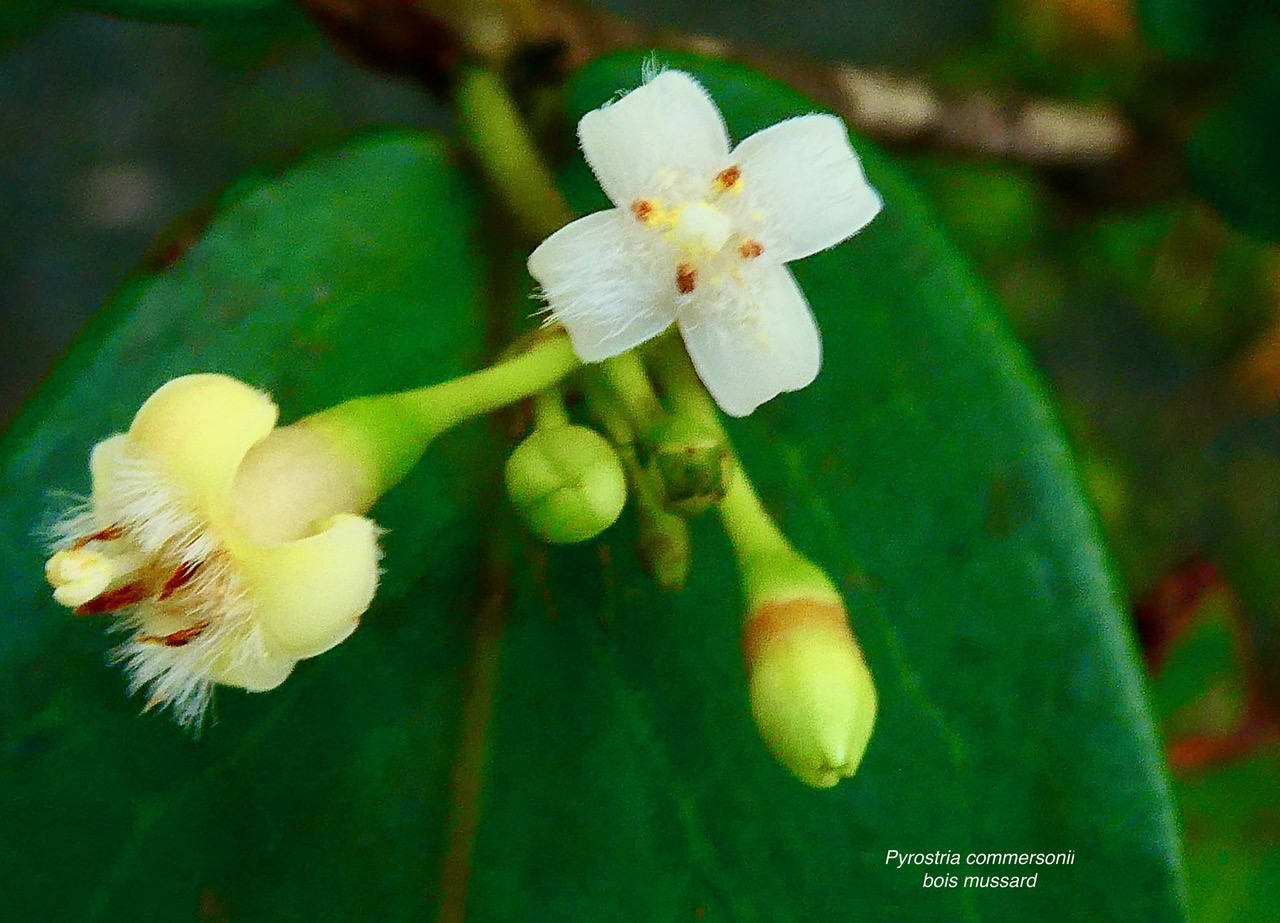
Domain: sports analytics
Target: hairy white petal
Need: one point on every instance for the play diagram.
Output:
(129, 491)
(751, 337)
(608, 281)
(656, 140)
(804, 187)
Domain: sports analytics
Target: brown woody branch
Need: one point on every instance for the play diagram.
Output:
(426, 38)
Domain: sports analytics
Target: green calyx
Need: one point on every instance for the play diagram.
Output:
(693, 463)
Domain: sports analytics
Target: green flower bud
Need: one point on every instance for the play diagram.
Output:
(664, 547)
(567, 483)
(811, 692)
(694, 463)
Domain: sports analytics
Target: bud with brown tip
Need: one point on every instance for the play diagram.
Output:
(811, 692)
(812, 695)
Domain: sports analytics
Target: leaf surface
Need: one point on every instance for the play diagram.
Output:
(623, 778)
(356, 272)
(926, 472)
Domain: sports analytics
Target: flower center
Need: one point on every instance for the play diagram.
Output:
(106, 572)
(96, 567)
(700, 227)
(79, 575)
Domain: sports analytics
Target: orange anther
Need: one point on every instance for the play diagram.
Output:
(686, 278)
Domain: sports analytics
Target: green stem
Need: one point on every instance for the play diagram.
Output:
(387, 434)
(664, 544)
(548, 409)
(770, 567)
(606, 408)
(627, 378)
(683, 389)
(491, 126)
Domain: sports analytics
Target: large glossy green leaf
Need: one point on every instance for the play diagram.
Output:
(926, 471)
(623, 779)
(354, 273)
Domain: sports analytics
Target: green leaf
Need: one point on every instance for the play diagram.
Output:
(353, 273)
(1234, 155)
(620, 777)
(925, 470)
(1200, 28)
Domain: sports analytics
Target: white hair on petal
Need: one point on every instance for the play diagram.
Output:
(74, 520)
(157, 518)
(651, 67)
(153, 517)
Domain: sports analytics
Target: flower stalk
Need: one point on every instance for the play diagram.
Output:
(812, 696)
(230, 548)
(491, 126)
(663, 542)
(387, 434)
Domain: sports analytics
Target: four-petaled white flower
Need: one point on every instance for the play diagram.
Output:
(700, 235)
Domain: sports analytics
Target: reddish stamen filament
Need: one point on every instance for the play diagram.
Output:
(179, 638)
(114, 600)
(110, 533)
(180, 578)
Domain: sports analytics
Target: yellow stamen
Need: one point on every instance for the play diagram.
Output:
(78, 576)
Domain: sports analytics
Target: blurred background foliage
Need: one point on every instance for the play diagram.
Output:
(1111, 166)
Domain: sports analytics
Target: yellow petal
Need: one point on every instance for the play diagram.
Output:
(198, 428)
(257, 675)
(309, 594)
(106, 462)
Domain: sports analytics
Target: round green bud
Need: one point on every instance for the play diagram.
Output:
(694, 464)
(567, 483)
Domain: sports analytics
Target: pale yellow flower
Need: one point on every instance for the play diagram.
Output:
(223, 547)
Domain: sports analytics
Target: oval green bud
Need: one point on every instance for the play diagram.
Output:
(694, 464)
(812, 696)
(567, 483)
(664, 547)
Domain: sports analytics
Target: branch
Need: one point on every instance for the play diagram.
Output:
(540, 41)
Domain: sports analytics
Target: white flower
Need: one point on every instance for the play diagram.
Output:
(700, 235)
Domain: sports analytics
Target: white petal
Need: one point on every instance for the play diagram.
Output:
(655, 136)
(752, 341)
(608, 281)
(804, 186)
